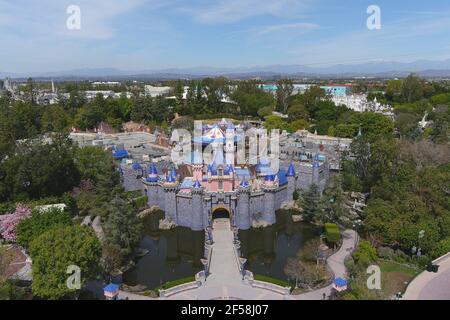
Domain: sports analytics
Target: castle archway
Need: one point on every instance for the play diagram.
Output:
(221, 213)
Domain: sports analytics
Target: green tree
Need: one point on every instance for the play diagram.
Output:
(274, 122)
(310, 203)
(285, 87)
(57, 249)
(122, 227)
(40, 222)
(412, 88)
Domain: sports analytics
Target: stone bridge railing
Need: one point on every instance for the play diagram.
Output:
(178, 289)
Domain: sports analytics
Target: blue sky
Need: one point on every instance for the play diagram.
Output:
(157, 34)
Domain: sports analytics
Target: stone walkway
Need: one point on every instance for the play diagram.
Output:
(336, 264)
(225, 280)
(430, 285)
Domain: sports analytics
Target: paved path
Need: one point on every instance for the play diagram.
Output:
(336, 264)
(430, 285)
(225, 279)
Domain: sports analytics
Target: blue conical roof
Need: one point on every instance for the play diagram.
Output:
(244, 184)
(170, 179)
(136, 166)
(197, 185)
(152, 169)
(291, 171)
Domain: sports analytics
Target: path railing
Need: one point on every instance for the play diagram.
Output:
(178, 289)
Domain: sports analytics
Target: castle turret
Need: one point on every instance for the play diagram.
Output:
(152, 186)
(243, 220)
(269, 199)
(170, 197)
(197, 207)
(291, 177)
(229, 145)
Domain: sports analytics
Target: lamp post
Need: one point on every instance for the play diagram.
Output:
(243, 261)
(205, 267)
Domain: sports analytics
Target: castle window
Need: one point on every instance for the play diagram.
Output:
(220, 186)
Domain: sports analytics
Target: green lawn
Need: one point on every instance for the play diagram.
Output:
(174, 283)
(395, 276)
(282, 283)
(391, 266)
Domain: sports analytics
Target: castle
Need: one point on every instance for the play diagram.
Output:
(194, 194)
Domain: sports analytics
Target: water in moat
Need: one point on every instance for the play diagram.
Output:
(176, 254)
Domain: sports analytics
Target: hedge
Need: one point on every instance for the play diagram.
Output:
(174, 283)
(140, 202)
(278, 282)
(332, 233)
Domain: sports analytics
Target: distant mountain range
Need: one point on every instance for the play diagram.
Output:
(382, 69)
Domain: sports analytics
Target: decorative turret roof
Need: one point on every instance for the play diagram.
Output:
(197, 185)
(228, 169)
(291, 171)
(136, 166)
(282, 180)
(244, 184)
(152, 169)
(270, 178)
(170, 179)
(316, 164)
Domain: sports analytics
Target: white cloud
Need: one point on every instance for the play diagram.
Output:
(229, 11)
(298, 27)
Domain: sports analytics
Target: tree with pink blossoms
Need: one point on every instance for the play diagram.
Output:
(10, 221)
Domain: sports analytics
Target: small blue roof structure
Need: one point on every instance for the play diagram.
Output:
(112, 288)
(136, 166)
(197, 185)
(173, 173)
(120, 154)
(152, 169)
(339, 282)
(291, 171)
(270, 177)
(316, 165)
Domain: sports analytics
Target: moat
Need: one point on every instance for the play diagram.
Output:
(176, 253)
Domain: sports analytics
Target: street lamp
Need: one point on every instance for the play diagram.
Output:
(243, 261)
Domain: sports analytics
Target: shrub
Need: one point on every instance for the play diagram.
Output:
(441, 248)
(332, 233)
(174, 283)
(140, 202)
(365, 255)
(386, 253)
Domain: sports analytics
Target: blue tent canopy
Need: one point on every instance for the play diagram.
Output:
(112, 288)
(340, 282)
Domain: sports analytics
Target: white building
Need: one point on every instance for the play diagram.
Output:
(359, 103)
(156, 91)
